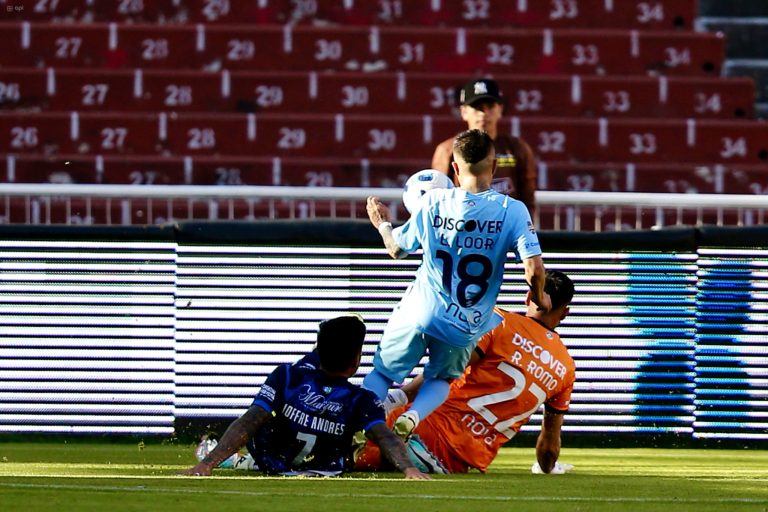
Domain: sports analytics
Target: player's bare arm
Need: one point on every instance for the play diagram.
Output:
(535, 275)
(441, 159)
(394, 450)
(235, 437)
(548, 443)
(379, 215)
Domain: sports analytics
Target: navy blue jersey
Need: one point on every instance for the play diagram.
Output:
(315, 417)
(310, 361)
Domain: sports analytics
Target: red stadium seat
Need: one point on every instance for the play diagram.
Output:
(623, 52)
(558, 138)
(303, 172)
(644, 140)
(378, 136)
(145, 170)
(666, 97)
(16, 41)
(137, 10)
(319, 48)
(657, 15)
(36, 133)
(630, 177)
(129, 170)
(745, 179)
(381, 93)
(207, 134)
(270, 91)
(168, 46)
(705, 97)
(663, 15)
(229, 171)
(50, 169)
(299, 135)
(417, 49)
(362, 93)
(390, 136)
(617, 96)
(24, 88)
(514, 50)
(284, 47)
(681, 53)
(178, 90)
(92, 90)
(228, 12)
(732, 142)
(107, 133)
(287, 47)
(53, 44)
(246, 47)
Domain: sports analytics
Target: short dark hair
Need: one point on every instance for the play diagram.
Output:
(473, 145)
(339, 342)
(559, 287)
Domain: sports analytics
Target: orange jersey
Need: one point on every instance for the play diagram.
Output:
(525, 365)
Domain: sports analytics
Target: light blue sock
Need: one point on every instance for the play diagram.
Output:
(431, 394)
(378, 383)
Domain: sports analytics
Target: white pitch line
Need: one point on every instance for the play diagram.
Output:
(426, 497)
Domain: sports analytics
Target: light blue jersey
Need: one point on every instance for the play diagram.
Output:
(465, 240)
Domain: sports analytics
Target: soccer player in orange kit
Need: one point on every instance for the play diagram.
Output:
(517, 367)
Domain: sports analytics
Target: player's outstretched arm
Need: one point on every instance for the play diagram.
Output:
(548, 443)
(441, 158)
(235, 437)
(535, 276)
(393, 448)
(379, 215)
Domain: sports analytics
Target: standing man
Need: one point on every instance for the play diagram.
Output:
(304, 418)
(465, 234)
(482, 106)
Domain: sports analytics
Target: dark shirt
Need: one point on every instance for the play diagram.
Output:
(315, 417)
(515, 167)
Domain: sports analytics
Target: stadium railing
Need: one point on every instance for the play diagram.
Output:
(70, 204)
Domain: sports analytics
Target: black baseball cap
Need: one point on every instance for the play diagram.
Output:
(478, 90)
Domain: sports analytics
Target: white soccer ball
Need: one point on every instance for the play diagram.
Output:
(418, 185)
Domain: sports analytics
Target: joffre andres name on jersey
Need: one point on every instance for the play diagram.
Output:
(313, 422)
(463, 227)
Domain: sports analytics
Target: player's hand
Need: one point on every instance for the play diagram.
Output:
(559, 469)
(378, 212)
(415, 474)
(198, 470)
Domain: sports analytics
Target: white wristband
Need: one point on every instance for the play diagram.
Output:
(383, 226)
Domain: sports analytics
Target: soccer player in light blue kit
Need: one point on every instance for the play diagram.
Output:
(465, 234)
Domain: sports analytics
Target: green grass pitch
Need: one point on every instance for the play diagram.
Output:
(79, 476)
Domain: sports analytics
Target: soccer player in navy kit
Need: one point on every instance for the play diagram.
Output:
(465, 234)
(303, 419)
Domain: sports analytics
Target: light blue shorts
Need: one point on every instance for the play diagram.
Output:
(402, 347)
